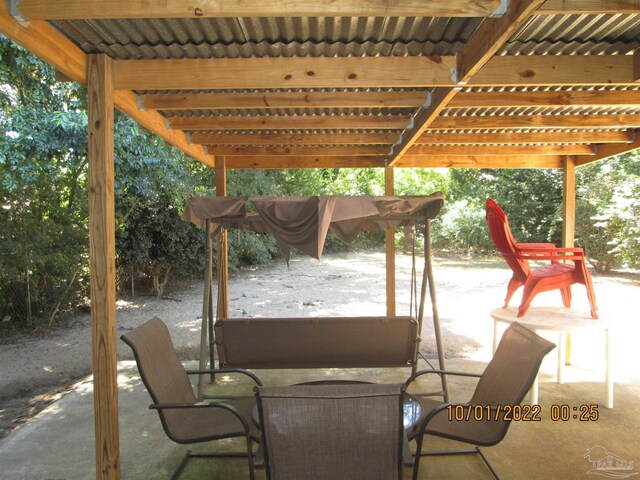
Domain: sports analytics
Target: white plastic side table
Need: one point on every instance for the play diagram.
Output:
(563, 321)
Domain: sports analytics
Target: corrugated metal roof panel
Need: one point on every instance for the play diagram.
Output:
(344, 36)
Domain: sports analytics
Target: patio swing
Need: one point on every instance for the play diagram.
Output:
(315, 342)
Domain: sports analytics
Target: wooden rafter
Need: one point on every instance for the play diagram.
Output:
(537, 121)
(607, 151)
(100, 9)
(488, 38)
(51, 46)
(583, 98)
(267, 100)
(260, 138)
(581, 7)
(324, 122)
(280, 161)
(369, 72)
(471, 161)
(388, 99)
(520, 138)
(498, 150)
(290, 122)
(347, 151)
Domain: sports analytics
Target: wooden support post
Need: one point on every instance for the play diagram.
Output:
(223, 255)
(390, 249)
(568, 201)
(568, 221)
(102, 264)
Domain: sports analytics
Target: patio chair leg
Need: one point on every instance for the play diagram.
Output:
(183, 463)
(486, 462)
(189, 455)
(474, 451)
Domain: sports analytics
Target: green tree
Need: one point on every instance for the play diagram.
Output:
(608, 211)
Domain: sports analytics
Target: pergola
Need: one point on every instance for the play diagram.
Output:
(329, 84)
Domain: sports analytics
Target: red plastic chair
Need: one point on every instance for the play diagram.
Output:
(568, 265)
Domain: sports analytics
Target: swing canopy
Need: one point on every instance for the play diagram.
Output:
(304, 222)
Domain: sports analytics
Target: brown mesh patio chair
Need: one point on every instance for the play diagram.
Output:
(332, 432)
(184, 419)
(504, 383)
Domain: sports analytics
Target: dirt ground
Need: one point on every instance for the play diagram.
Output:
(38, 370)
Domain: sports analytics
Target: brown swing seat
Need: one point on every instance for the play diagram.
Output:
(327, 342)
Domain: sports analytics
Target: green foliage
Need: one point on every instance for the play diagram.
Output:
(462, 227)
(608, 212)
(43, 144)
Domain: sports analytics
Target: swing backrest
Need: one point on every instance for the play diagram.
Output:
(328, 342)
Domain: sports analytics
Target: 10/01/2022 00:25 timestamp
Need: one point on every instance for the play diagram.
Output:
(522, 413)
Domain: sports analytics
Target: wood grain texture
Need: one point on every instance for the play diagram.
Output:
(470, 161)
(390, 249)
(291, 122)
(568, 201)
(490, 36)
(278, 162)
(102, 264)
(100, 9)
(607, 151)
(369, 72)
(497, 150)
(262, 138)
(272, 73)
(581, 7)
(591, 98)
(538, 121)
(223, 248)
(520, 138)
(273, 100)
(310, 150)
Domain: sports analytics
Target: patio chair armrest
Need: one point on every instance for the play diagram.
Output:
(440, 372)
(252, 375)
(546, 251)
(535, 245)
(224, 406)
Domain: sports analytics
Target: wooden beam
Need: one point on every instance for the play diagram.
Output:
(567, 70)
(537, 121)
(306, 150)
(260, 138)
(543, 99)
(490, 36)
(223, 253)
(583, 7)
(270, 73)
(282, 162)
(52, 47)
(126, 102)
(99, 9)
(271, 100)
(568, 201)
(46, 43)
(498, 150)
(369, 72)
(470, 161)
(636, 65)
(102, 255)
(521, 138)
(390, 249)
(607, 151)
(291, 122)
(421, 120)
